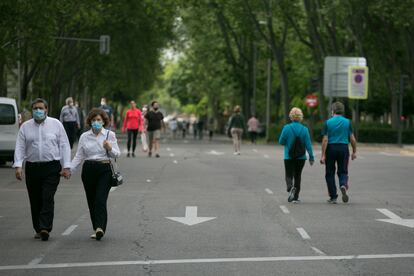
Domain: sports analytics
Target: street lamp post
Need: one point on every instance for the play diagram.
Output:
(400, 108)
(269, 89)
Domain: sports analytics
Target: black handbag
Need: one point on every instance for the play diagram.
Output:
(116, 178)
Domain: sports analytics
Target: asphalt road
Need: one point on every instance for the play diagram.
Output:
(250, 228)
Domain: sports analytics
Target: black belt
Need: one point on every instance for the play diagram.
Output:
(42, 163)
(98, 161)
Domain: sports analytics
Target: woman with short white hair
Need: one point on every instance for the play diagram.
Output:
(296, 139)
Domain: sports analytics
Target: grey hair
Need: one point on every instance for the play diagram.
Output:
(40, 100)
(338, 108)
(69, 99)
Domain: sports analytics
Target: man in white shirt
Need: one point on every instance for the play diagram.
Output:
(42, 142)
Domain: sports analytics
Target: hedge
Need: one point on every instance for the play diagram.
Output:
(366, 134)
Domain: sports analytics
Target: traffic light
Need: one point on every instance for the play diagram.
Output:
(104, 44)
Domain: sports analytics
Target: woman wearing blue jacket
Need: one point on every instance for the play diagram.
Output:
(294, 166)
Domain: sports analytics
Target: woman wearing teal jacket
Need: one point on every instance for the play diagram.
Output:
(294, 166)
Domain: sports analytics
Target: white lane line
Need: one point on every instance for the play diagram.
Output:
(69, 230)
(389, 154)
(270, 192)
(112, 189)
(266, 156)
(318, 251)
(284, 209)
(303, 233)
(37, 260)
(217, 260)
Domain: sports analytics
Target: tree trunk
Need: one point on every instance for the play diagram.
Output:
(283, 84)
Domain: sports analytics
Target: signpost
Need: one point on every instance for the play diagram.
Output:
(358, 82)
(346, 77)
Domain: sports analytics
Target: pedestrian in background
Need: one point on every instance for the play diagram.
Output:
(337, 133)
(109, 112)
(81, 114)
(43, 144)
(132, 124)
(70, 119)
(96, 147)
(253, 126)
(237, 126)
(292, 134)
(212, 127)
(155, 121)
(173, 124)
(144, 140)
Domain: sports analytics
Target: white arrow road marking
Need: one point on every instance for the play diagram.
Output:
(303, 233)
(270, 192)
(284, 209)
(69, 230)
(390, 154)
(320, 252)
(395, 219)
(191, 217)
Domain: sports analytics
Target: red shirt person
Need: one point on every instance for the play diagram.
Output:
(132, 124)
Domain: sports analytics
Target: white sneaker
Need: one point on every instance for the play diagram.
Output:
(235, 153)
(93, 236)
(99, 234)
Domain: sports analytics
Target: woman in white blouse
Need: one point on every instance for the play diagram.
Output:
(96, 147)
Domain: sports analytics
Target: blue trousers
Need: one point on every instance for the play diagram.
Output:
(337, 159)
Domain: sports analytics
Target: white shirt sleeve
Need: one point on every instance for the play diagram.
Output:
(64, 147)
(79, 156)
(115, 152)
(19, 152)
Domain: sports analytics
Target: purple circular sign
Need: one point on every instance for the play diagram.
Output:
(358, 78)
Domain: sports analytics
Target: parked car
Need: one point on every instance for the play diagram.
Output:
(9, 127)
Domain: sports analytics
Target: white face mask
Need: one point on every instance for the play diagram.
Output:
(103, 103)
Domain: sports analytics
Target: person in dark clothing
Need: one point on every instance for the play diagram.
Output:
(294, 166)
(337, 134)
(237, 126)
(155, 121)
(70, 119)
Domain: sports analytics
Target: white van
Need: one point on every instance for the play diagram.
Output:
(9, 127)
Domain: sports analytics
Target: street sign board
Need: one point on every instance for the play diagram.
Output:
(336, 72)
(311, 101)
(358, 82)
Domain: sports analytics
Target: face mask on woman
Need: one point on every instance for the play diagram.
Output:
(39, 114)
(96, 125)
